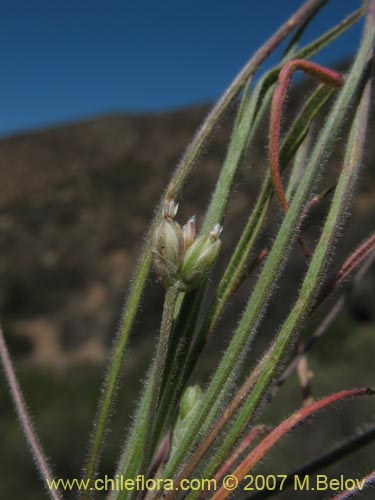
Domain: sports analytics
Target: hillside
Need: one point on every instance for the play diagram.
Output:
(75, 201)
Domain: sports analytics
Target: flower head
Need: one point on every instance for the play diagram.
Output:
(179, 256)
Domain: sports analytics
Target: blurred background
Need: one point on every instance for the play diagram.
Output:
(98, 101)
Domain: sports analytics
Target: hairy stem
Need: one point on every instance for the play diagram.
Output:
(171, 295)
(178, 179)
(327, 76)
(27, 427)
(322, 252)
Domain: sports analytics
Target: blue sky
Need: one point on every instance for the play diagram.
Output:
(68, 60)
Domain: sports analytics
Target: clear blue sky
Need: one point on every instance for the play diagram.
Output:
(65, 60)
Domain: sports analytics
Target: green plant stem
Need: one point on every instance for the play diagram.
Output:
(299, 164)
(248, 119)
(333, 311)
(114, 369)
(320, 257)
(267, 279)
(156, 379)
(182, 333)
(178, 179)
(137, 452)
(132, 452)
(242, 251)
(234, 270)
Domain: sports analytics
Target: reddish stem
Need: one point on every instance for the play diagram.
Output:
(351, 263)
(281, 430)
(323, 327)
(325, 75)
(244, 445)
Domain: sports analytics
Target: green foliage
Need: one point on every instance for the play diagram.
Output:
(206, 427)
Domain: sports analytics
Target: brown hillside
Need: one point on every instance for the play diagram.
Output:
(75, 201)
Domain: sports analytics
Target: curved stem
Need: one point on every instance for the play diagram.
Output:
(325, 75)
(27, 427)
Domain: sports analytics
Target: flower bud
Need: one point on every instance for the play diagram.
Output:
(188, 232)
(189, 404)
(199, 258)
(216, 232)
(169, 209)
(168, 246)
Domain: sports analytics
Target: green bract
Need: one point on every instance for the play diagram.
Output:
(198, 260)
(189, 403)
(167, 250)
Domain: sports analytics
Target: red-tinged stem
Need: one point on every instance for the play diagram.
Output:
(360, 485)
(350, 265)
(27, 426)
(281, 430)
(243, 446)
(325, 75)
(323, 327)
(340, 451)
